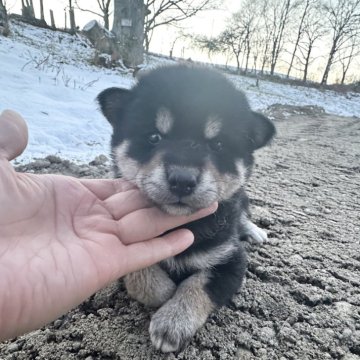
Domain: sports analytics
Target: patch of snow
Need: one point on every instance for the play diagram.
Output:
(269, 93)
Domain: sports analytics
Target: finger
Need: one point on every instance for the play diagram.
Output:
(151, 222)
(125, 203)
(104, 188)
(143, 254)
(13, 134)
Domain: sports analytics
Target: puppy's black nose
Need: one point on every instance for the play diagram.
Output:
(182, 181)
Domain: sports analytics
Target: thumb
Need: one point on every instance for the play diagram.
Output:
(13, 134)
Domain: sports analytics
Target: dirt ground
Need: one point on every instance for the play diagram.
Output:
(302, 295)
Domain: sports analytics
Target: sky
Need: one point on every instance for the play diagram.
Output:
(58, 88)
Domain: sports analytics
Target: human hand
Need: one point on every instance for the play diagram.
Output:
(62, 238)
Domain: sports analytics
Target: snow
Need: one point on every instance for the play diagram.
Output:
(47, 76)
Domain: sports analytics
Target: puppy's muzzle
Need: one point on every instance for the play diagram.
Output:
(182, 180)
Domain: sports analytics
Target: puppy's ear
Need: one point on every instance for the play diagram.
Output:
(112, 102)
(263, 130)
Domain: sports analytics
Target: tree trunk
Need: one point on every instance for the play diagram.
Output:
(3, 12)
(255, 57)
(265, 58)
(343, 77)
(237, 63)
(129, 16)
(106, 21)
(147, 42)
(247, 55)
(307, 62)
(42, 10)
(278, 39)
(72, 20)
(328, 65)
(4, 23)
(345, 68)
(27, 10)
(52, 19)
(263, 66)
(300, 30)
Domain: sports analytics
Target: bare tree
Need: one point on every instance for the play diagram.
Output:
(344, 20)
(105, 13)
(210, 45)
(279, 13)
(308, 5)
(237, 38)
(233, 41)
(264, 36)
(247, 21)
(313, 30)
(128, 28)
(171, 12)
(273, 20)
(347, 55)
(257, 47)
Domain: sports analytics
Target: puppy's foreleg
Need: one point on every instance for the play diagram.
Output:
(150, 286)
(175, 323)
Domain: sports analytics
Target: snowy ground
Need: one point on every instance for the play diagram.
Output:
(47, 77)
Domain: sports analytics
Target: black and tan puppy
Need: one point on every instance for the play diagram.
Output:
(185, 136)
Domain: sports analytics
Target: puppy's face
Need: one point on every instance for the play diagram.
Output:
(184, 135)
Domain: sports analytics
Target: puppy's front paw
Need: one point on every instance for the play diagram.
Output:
(254, 234)
(257, 235)
(170, 330)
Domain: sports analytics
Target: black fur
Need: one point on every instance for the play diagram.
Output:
(192, 95)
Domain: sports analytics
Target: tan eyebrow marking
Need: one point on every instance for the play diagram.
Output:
(164, 120)
(212, 127)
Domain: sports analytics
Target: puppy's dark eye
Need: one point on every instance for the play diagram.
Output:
(216, 145)
(154, 138)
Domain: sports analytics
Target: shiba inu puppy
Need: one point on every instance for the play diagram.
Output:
(185, 136)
